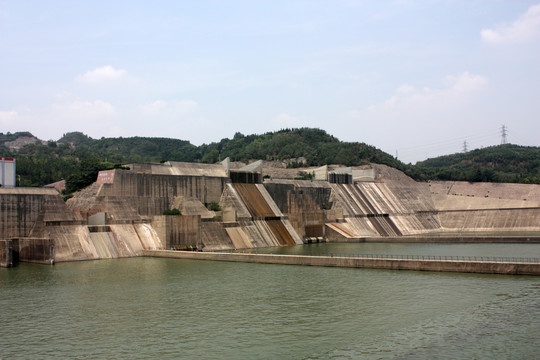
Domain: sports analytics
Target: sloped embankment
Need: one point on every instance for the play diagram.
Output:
(390, 208)
(260, 209)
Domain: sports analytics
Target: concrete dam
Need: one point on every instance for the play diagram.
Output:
(261, 205)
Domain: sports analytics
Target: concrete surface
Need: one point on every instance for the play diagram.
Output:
(504, 268)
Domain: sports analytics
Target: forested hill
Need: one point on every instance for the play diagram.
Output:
(43, 162)
(502, 163)
(77, 157)
(315, 145)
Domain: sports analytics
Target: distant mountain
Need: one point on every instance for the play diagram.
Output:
(14, 142)
(502, 163)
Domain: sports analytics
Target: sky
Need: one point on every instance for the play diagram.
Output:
(416, 79)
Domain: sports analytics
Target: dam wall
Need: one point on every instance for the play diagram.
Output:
(392, 197)
(36, 250)
(487, 207)
(387, 207)
(304, 202)
(121, 214)
(459, 202)
(522, 192)
(293, 196)
(21, 208)
(129, 184)
(483, 267)
(179, 232)
(263, 209)
(390, 208)
(82, 242)
(258, 220)
(502, 220)
(87, 202)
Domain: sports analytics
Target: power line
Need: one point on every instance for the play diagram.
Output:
(446, 145)
(450, 141)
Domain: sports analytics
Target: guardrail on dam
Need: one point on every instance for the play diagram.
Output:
(482, 267)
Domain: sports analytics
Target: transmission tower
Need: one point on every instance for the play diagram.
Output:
(465, 146)
(504, 134)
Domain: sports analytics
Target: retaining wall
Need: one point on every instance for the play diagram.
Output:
(505, 268)
(39, 251)
(491, 220)
(525, 192)
(205, 188)
(178, 231)
(22, 208)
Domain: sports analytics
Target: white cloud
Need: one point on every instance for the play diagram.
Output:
(15, 119)
(458, 89)
(102, 74)
(411, 113)
(8, 118)
(525, 28)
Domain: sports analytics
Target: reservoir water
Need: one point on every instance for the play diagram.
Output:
(170, 309)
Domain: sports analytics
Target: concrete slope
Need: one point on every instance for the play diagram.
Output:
(230, 199)
(524, 192)
(255, 202)
(274, 228)
(502, 220)
(76, 242)
(390, 208)
(459, 202)
(214, 237)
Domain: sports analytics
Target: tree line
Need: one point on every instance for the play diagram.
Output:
(78, 158)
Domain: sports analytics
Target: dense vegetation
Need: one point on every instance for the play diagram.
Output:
(503, 163)
(78, 158)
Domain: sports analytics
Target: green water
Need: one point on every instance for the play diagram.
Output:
(149, 308)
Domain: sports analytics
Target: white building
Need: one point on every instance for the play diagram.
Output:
(7, 172)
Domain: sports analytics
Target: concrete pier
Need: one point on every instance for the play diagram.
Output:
(6, 253)
(481, 267)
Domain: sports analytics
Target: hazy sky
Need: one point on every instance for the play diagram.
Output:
(413, 78)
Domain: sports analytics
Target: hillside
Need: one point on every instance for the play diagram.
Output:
(77, 157)
(502, 163)
(40, 163)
